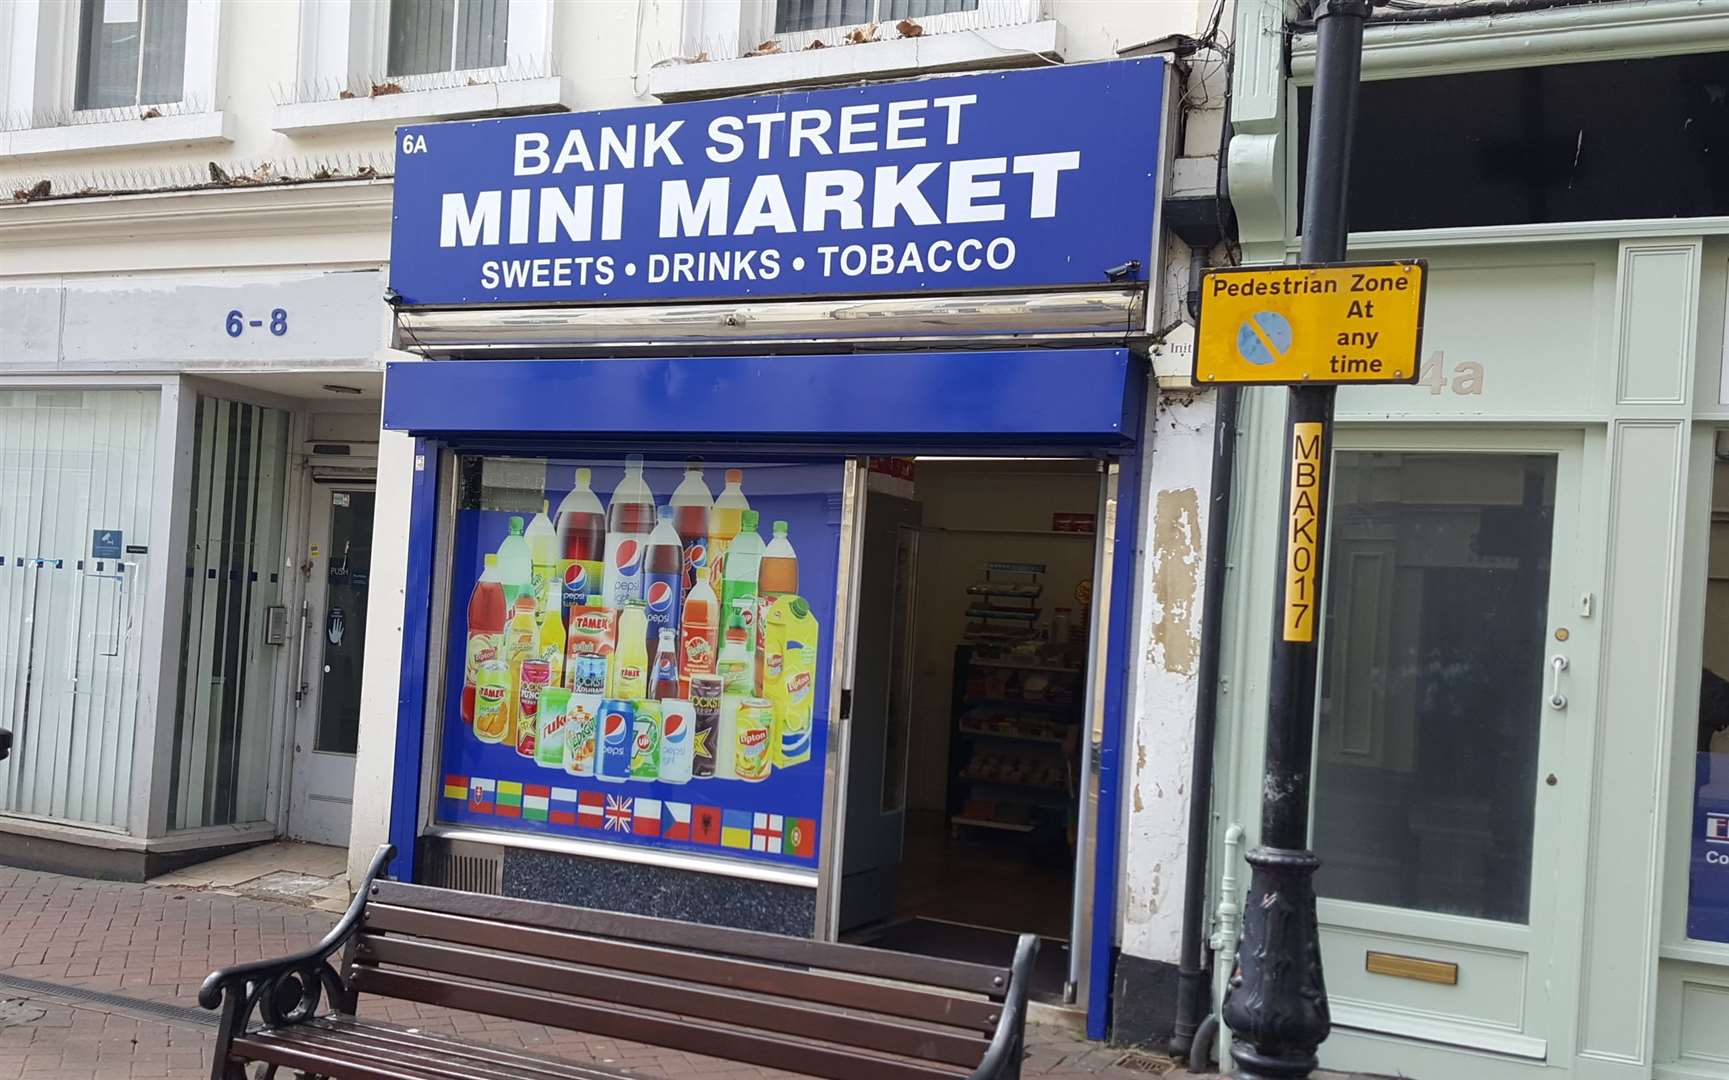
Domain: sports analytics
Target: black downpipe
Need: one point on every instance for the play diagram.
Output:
(1193, 976)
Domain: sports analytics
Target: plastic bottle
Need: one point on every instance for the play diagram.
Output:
(629, 521)
(543, 558)
(521, 642)
(691, 504)
(663, 677)
(724, 523)
(663, 579)
(515, 565)
(630, 661)
(738, 595)
(486, 612)
(779, 572)
(699, 634)
(550, 640)
(581, 543)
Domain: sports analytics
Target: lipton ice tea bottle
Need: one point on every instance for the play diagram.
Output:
(724, 523)
(485, 631)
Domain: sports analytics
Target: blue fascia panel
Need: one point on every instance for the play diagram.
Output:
(1071, 396)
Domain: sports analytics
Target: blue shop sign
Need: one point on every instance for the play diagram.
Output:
(1013, 180)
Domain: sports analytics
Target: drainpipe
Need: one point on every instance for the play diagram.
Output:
(1193, 994)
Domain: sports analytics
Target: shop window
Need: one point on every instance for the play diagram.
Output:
(77, 476)
(1431, 707)
(223, 727)
(130, 52)
(1708, 825)
(792, 16)
(428, 36)
(1540, 144)
(638, 652)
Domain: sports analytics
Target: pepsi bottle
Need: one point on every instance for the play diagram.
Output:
(663, 579)
(629, 520)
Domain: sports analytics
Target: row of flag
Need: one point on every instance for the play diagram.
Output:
(636, 815)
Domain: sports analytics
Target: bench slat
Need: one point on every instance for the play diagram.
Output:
(781, 1016)
(658, 1029)
(273, 1049)
(444, 1056)
(852, 959)
(723, 972)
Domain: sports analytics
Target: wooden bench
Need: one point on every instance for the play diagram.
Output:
(787, 1003)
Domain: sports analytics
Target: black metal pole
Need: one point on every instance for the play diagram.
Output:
(1277, 1007)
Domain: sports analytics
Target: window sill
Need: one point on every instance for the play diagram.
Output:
(188, 130)
(1007, 46)
(545, 94)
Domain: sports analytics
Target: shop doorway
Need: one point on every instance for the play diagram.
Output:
(964, 822)
(333, 633)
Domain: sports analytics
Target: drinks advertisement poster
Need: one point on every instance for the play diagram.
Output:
(1708, 895)
(639, 652)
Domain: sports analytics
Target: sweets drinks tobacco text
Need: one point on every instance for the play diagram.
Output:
(753, 755)
(582, 543)
(486, 616)
(612, 746)
(705, 693)
(663, 577)
(691, 503)
(580, 734)
(645, 744)
(629, 521)
(677, 724)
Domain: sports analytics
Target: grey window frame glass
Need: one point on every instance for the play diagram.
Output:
(433, 37)
(153, 65)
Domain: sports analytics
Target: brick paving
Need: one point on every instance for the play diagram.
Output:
(155, 944)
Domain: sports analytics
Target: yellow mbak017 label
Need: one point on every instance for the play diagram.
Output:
(1317, 324)
(1302, 533)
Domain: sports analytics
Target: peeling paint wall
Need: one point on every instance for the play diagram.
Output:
(1166, 650)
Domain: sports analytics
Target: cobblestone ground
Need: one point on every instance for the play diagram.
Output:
(154, 944)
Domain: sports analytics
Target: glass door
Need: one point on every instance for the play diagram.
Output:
(1454, 660)
(328, 723)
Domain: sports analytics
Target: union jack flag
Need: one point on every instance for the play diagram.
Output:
(618, 813)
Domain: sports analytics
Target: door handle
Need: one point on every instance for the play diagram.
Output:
(1557, 700)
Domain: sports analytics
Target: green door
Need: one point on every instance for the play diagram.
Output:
(1456, 649)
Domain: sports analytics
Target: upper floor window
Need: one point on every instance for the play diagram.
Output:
(431, 36)
(130, 52)
(793, 16)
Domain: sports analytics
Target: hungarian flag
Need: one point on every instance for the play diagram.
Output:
(563, 806)
(536, 802)
(765, 832)
(705, 824)
(799, 838)
(456, 787)
(677, 826)
(647, 820)
(480, 795)
(590, 809)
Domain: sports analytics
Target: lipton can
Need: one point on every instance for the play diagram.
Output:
(753, 734)
(532, 678)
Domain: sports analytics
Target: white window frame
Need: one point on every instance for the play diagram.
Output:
(718, 35)
(39, 58)
(344, 47)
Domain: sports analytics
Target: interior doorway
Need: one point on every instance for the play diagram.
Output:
(970, 713)
(333, 643)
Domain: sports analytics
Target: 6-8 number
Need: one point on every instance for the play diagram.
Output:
(236, 323)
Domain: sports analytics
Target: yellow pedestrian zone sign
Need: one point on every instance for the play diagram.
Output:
(1338, 323)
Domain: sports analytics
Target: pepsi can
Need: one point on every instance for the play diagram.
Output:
(588, 674)
(613, 746)
(677, 741)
